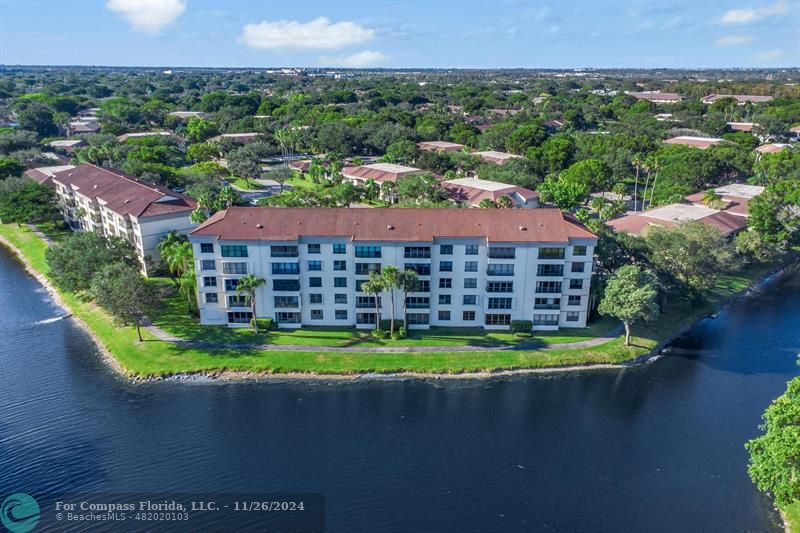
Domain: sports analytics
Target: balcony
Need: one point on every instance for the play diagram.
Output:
(551, 253)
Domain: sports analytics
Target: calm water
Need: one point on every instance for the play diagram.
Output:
(653, 448)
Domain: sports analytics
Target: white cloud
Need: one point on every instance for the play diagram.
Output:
(149, 16)
(672, 22)
(733, 40)
(752, 14)
(318, 34)
(770, 54)
(367, 58)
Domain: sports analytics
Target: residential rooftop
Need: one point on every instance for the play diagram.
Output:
(696, 142)
(443, 146)
(392, 224)
(669, 216)
(740, 98)
(493, 156)
(379, 172)
(124, 137)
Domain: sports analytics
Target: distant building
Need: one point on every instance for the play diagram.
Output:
(772, 148)
(741, 99)
(742, 126)
(554, 124)
(504, 112)
(111, 202)
(695, 142)
(301, 165)
(378, 172)
(440, 146)
(44, 175)
(669, 216)
(244, 138)
(472, 191)
(83, 126)
(795, 132)
(139, 135)
(656, 97)
(186, 115)
(67, 145)
(497, 158)
(735, 198)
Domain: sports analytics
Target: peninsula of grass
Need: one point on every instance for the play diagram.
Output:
(792, 514)
(154, 357)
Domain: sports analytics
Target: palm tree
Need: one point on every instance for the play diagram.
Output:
(487, 203)
(636, 161)
(374, 286)
(228, 196)
(198, 216)
(247, 285)
(656, 168)
(504, 202)
(371, 189)
(408, 282)
(712, 199)
(167, 249)
(390, 276)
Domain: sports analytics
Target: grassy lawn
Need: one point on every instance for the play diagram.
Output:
(244, 184)
(298, 182)
(154, 357)
(793, 517)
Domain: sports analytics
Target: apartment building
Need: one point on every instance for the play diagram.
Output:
(479, 268)
(111, 202)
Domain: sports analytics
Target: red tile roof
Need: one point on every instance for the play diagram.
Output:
(391, 224)
(440, 146)
(122, 193)
(460, 191)
(639, 223)
(379, 172)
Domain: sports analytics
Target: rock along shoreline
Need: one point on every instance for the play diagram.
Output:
(231, 376)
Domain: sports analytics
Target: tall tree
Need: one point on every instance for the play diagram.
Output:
(74, 261)
(247, 286)
(630, 295)
(408, 282)
(374, 286)
(24, 201)
(122, 291)
(391, 275)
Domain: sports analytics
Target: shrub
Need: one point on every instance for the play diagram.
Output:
(386, 323)
(380, 334)
(402, 333)
(264, 324)
(521, 326)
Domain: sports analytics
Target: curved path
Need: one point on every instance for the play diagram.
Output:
(168, 337)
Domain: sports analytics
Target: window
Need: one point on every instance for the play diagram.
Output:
(367, 251)
(316, 314)
(315, 282)
(209, 281)
(234, 268)
(576, 284)
(314, 265)
(468, 315)
(340, 298)
(315, 298)
(574, 299)
(359, 283)
(424, 286)
(287, 301)
(497, 252)
(231, 284)
(206, 248)
(578, 250)
(285, 268)
(239, 317)
(422, 269)
(500, 286)
(573, 316)
(550, 270)
(287, 317)
(445, 283)
(340, 265)
(341, 314)
(314, 249)
(578, 267)
(471, 266)
(418, 302)
(340, 282)
(469, 299)
(547, 303)
(446, 249)
(545, 320)
(470, 283)
(238, 300)
(285, 285)
(234, 250)
(363, 269)
(551, 253)
(418, 318)
(445, 299)
(500, 270)
(445, 266)
(471, 249)
(444, 315)
(417, 252)
(283, 251)
(340, 248)
(548, 286)
(499, 303)
(212, 298)
(208, 264)
(498, 320)
(365, 318)
(367, 302)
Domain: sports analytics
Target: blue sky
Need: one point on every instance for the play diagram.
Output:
(397, 33)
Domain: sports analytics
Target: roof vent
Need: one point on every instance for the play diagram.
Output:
(389, 226)
(260, 226)
(523, 228)
(127, 201)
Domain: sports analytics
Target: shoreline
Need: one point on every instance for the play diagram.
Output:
(230, 376)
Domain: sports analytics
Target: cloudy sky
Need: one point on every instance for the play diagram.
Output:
(398, 33)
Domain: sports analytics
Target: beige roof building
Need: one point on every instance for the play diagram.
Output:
(473, 190)
(695, 142)
(498, 158)
(378, 172)
(440, 146)
(656, 96)
(741, 99)
(669, 216)
(44, 175)
(772, 148)
(735, 197)
(124, 137)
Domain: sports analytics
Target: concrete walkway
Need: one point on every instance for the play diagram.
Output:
(523, 346)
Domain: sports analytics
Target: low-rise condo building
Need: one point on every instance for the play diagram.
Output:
(440, 146)
(111, 202)
(741, 99)
(694, 142)
(477, 268)
(472, 191)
